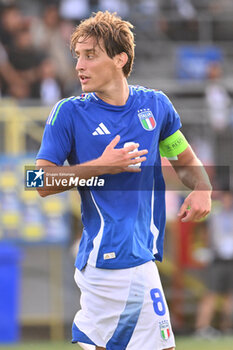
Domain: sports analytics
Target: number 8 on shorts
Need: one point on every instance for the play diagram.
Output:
(158, 303)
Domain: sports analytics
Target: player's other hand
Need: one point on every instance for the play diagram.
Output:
(118, 160)
(196, 206)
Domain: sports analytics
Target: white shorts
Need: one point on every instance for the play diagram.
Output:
(122, 309)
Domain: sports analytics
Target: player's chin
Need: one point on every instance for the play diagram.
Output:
(86, 88)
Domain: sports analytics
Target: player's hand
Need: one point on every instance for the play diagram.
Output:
(196, 206)
(118, 160)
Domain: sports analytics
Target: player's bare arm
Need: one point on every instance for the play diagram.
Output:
(112, 161)
(193, 175)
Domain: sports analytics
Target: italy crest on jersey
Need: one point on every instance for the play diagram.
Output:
(147, 119)
(164, 329)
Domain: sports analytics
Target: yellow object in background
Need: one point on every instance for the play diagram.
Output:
(10, 220)
(32, 233)
(53, 206)
(8, 180)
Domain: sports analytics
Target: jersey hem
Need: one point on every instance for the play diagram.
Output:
(114, 267)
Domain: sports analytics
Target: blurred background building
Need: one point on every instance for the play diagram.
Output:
(183, 47)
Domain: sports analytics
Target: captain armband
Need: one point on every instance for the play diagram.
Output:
(173, 145)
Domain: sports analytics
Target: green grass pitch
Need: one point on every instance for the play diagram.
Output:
(182, 343)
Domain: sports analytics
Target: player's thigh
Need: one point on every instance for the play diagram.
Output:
(153, 328)
(98, 348)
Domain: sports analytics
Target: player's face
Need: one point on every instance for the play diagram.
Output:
(96, 70)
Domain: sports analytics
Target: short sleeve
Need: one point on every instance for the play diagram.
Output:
(57, 138)
(171, 122)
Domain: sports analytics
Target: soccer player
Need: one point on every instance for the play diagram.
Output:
(114, 131)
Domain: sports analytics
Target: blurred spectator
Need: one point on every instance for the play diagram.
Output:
(217, 99)
(220, 271)
(50, 90)
(52, 35)
(35, 51)
(13, 35)
(11, 21)
(27, 61)
(11, 84)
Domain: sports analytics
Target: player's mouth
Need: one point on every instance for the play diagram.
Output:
(83, 78)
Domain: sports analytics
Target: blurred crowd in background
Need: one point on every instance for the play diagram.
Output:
(34, 38)
(34, 51)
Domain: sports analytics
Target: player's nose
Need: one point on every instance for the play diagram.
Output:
(80, 65)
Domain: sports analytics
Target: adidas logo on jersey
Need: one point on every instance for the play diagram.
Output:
(101, 130)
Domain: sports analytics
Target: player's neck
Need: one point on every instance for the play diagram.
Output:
(117, 93)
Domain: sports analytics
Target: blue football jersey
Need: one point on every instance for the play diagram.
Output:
(124, 221)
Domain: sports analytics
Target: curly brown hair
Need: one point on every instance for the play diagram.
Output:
(115, 32)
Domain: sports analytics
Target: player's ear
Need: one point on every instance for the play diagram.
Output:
(121, 59)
